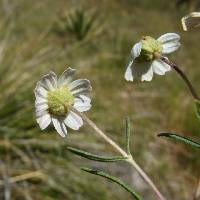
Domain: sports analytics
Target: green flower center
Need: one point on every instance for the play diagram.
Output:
(150, 49)
(59, 100)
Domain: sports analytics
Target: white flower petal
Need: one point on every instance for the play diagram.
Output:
(190, 21)
(170, 47)
(79, 83)
(49, 81)
(40, 100)
(169, 37)
(41, 113)
(66, 76)
(138, 69)
(73, 121)
(83, 90)
(148, 75)
(40, 91)
(82, 103)
(83, 99)
(44, 121)
(135, 52)
(59, 126)
(170, 42)
(41, 107)
(142, 70)
(128, 74)
(159, 67)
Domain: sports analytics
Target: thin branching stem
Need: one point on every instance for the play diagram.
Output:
(183, 76)
(128, 133)
(122, 152)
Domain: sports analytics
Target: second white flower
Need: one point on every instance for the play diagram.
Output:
(145, 56)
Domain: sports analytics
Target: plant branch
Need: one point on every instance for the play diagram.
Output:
(113, 179)
(130, 159)
(180, 138)
(183, 76)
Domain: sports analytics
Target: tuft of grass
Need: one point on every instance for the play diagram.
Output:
(79, 23)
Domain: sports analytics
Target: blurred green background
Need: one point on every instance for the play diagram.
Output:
(95, 37)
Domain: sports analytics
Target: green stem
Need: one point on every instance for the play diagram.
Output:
(128, 133)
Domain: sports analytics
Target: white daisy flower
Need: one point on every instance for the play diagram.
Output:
(55, 96)
(145, 56)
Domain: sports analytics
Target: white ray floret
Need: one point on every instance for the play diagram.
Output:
(54, 98)
(145, 56)
(191, 21)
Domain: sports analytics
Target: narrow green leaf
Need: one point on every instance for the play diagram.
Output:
(128, 133)
(181, 139)
(113, 179)
(197, 102)
(90, 156)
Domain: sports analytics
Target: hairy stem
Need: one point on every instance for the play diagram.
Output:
(183, 76)
(130, 159)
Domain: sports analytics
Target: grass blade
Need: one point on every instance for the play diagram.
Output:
(197, 102)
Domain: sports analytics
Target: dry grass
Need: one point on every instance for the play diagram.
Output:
(29, 48)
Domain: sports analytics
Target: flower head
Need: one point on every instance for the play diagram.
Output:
(54, 98)
(145, 56)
